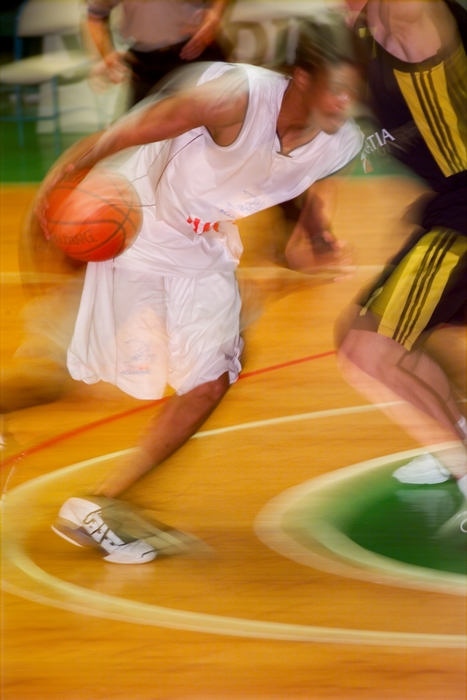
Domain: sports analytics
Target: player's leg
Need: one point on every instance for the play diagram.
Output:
(412, 376)
(203, 327)
(178, 420)
(377, 354)
(385, 373)
(119, 337)
(116, 528)
(204, 345)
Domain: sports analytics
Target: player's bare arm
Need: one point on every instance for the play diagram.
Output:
(220, 105)
(63, 165)
(312, 246)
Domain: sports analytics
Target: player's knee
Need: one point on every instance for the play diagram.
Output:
(361, 349)
(219, 387)
(350, 353)
(213, 391)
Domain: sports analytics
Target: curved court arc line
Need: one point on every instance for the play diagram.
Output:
(343, 556)
(76, 599)
(55, 592)
(85, 602)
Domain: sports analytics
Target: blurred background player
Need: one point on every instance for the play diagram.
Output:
(417, 75)
(163, 34)
(167, 310)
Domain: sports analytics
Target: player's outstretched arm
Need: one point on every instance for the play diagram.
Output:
(219, 104)
(63, 165)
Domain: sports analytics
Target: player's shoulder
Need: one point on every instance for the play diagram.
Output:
(344, 146)
(260, 84)
(258, 73)
(263, 75)
(350, 133)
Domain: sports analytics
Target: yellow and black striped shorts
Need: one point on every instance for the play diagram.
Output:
(425, 289)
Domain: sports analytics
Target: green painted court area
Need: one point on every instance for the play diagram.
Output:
(403, 525)
(362, 516)
(31, 162)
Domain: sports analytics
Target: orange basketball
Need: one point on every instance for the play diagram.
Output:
(95, 218)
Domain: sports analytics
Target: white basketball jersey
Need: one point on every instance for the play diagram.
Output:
(193, 190)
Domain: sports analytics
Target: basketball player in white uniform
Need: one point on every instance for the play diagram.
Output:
(167, 310)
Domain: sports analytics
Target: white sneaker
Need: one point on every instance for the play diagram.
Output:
(422, 470)
(85, 522)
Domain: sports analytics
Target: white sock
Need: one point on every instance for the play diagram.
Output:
(462, 484)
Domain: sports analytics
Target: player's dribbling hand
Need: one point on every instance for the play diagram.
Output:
(333, 255)
(55, 175)
(77, 158)
(319, 254)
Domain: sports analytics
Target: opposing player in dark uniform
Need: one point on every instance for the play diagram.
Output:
(417, 78)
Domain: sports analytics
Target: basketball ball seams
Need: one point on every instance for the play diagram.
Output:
(119, 227)
(95, 218)
(101, 198)
(127, 218)
(84, 222)
(123, 190)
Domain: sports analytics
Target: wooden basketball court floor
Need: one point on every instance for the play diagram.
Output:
(260, 618)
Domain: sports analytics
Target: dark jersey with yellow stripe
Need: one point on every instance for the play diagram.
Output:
(421, 110)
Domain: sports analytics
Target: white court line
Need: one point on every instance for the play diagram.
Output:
(58, 593)
(329, 413)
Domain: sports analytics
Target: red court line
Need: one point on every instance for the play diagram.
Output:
(247, 375)
(138, 409)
